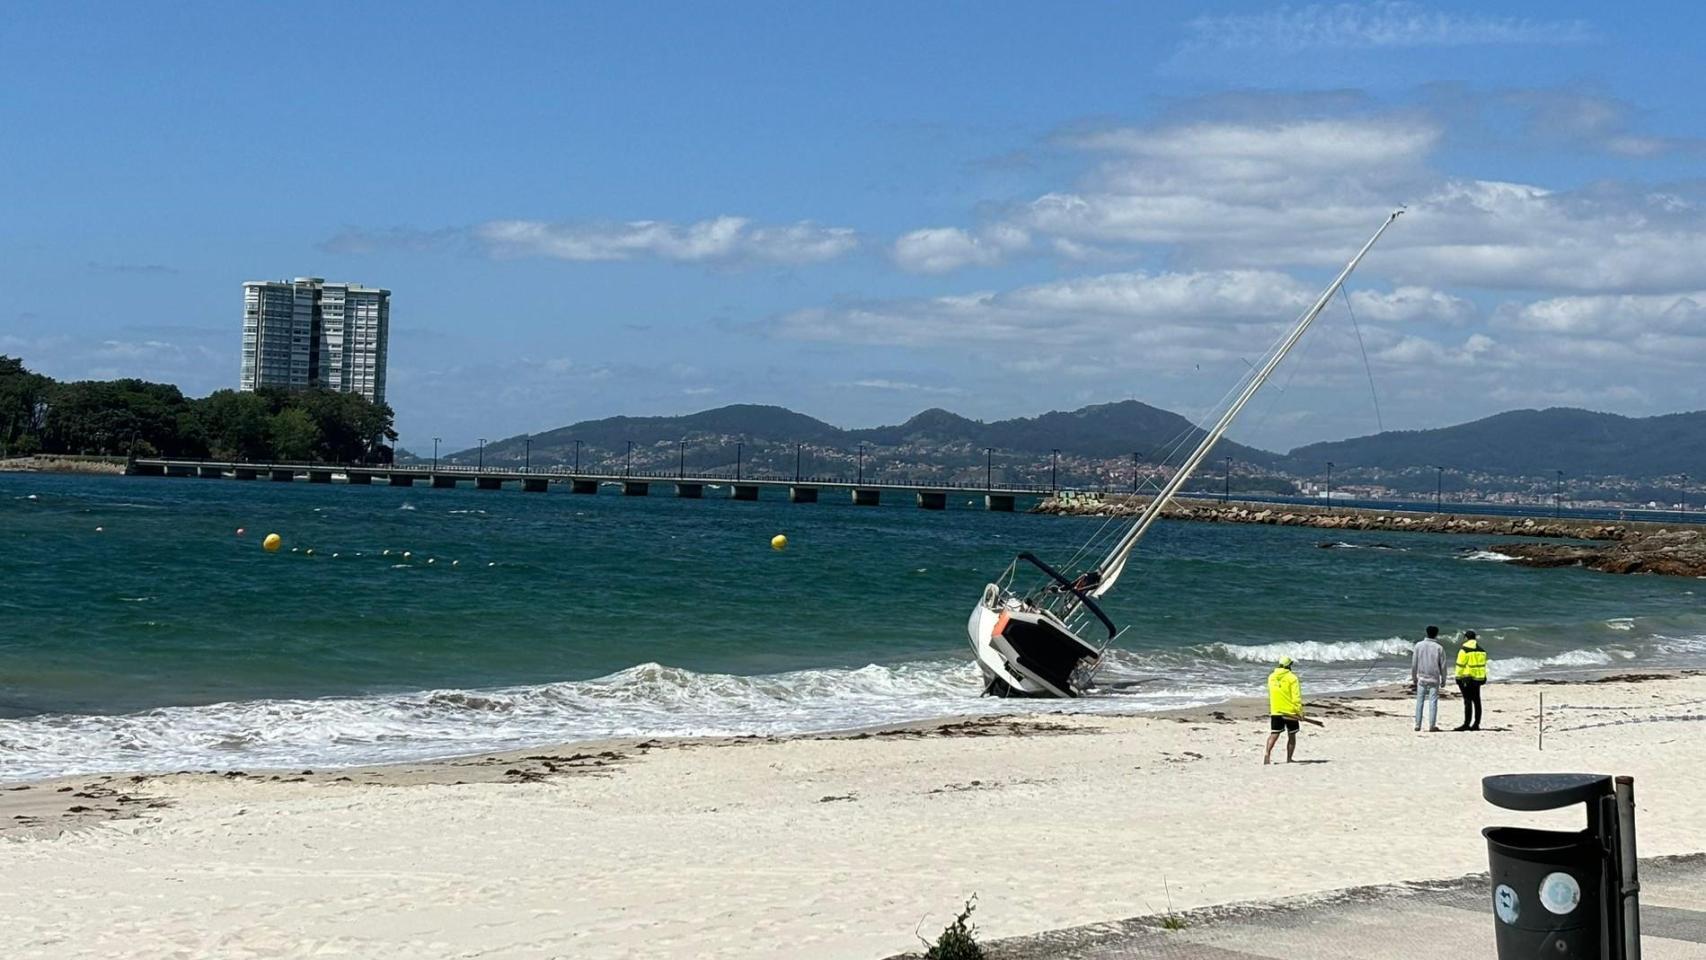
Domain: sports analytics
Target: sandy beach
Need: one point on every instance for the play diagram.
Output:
(831, 847)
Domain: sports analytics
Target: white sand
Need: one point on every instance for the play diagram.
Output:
(731, 849)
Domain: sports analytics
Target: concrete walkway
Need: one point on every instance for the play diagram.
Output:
(1394, 922)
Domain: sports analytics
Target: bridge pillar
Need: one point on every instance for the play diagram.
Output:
(533, 484)
(583, 486)
(1000, 502)
(360, 478)
(802, 494)
(932, 499)
(402, 479)
(442, 481)
(636, 488)
(690, 491)
(215, 473)
(488, 483)
(283, 474)
(745, 491)
(179, 470)
(319, 476)
(866, 497)
(246, 473)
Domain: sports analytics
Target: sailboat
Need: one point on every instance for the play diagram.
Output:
(1048, 639)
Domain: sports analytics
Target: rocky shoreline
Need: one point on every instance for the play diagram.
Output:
(1677, 553)
(1609, 547)
(48, 464)
(1340, 518)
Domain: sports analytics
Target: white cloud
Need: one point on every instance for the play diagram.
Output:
(1611, 316)
(1373, 26)
(1414, 351)
(1408, 304)
(941, 249)
(720, 239)
(1305, 192)
(877, 383)
(1141, 315)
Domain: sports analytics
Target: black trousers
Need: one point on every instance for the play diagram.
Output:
(1471, 690)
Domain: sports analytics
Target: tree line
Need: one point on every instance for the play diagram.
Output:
(129, 417)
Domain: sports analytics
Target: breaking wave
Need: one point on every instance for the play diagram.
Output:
(1488, 556)
(1315, 651)
(648, 700)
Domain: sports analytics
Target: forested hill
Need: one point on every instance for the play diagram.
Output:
(1103, 431)
(1529, 443)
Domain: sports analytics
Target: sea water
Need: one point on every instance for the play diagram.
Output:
(140, 631)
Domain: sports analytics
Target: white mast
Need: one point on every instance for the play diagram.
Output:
(1114, 563)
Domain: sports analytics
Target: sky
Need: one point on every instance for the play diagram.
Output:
(860, 211)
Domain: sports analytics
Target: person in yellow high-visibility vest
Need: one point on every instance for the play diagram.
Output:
(1471, 676)
(1285, 709)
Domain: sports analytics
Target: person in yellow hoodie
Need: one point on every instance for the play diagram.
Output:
(1471, 676)
(1285, 709)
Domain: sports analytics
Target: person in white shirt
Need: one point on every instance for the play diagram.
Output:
(1427, 674)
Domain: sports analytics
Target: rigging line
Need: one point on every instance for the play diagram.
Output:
(1192, 433)
(1365, 365)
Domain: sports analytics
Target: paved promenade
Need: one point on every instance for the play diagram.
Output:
(1394, 922)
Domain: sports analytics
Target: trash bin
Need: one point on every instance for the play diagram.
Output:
(1550, 887)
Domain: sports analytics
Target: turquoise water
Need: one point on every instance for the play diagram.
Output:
(163, 640)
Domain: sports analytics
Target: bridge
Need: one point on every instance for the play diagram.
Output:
(633, 483)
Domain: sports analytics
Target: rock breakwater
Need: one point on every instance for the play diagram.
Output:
(1677, 553)
(1337, 518)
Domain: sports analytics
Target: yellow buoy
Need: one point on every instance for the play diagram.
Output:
(778, 542)
(309, 552)
(272, 543)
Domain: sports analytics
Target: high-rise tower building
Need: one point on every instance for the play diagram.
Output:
(309, 333)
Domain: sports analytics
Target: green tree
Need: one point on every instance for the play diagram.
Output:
(295, 436)
(238, 425)
(115, 416)
(23, 405)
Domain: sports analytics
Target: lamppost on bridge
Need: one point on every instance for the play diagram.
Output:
(482, 465)
(1054, 472)
(577, 456)
(738, 447)
(1134, 459)
(1226, 491)
(989, 468)
(681, 464)
(527, 455)
(628, 465)
(1329, 486)
(1439, 485)
(861, 463)
(435, 454)
(1558, 495)
(797, 448)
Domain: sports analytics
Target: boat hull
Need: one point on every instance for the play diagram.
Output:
(1022, 651)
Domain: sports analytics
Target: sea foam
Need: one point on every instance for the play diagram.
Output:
(1315, 651)
(648, 700)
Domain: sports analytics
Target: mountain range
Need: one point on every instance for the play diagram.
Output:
(1096, 442)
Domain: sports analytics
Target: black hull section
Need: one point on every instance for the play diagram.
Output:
(997, 687)
(1042, 652)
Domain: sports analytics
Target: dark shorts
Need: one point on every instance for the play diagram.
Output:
(1276, 723)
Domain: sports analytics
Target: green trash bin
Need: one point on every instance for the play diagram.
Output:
(1550, 888)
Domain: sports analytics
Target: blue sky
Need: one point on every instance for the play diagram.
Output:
(860, 211)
